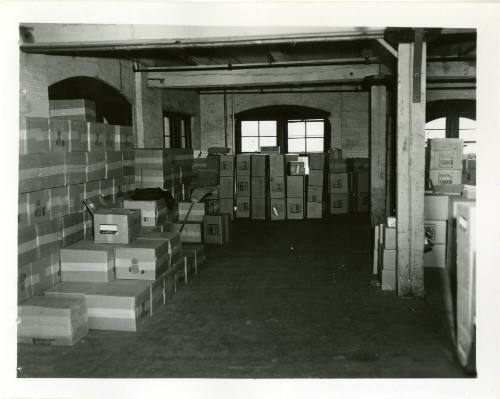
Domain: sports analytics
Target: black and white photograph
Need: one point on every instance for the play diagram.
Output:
(224, 202)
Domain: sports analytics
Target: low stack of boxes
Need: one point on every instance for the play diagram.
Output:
(61, 162)
(339, 183)
(295, 188)
(436, 208)
(388, 256)
(277, 187)
(206, 171)
(243, 185)
(444, 161)
(226, 186)
(315, 184)
(259, 185)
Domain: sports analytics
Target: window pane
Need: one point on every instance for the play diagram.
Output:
(249, 128)
(296, 129)
(466, 123)
(470, 148)
(167, 141)
(315, 129)
(467, 135)
(166, 125)
(296, 145)
(439, 123)
(435, 134)
(267, 128)
(249, 144)
(314, 145)
(267, 141)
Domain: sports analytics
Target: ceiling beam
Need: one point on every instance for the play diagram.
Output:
(388, 47)
(450, 70)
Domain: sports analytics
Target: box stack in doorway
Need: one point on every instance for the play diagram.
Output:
(243, 185)
(259, 185)
(277, 187)
(444, 161)
(315, 185)
(295, 187)
(226, 186)
(339, 183)
(385, 254)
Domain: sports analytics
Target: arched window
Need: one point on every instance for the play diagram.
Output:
(294, 129)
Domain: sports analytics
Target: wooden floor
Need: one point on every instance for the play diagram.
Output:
(285, 299)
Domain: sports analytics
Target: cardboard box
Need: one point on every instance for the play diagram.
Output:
(116, 225)
(390, 237)
(436, 207)
(96, 136)
(173, 239)
(227, 206)
(435, 231)
(34, 136)
(191, 232)
(335, 153)
(226, 187)
(38, 206)
(59, 203)
(52, 172)
(22, 210)
(389, 259)
(388, 282)
(337, 166)
(128, 162)
(258, 187)
(445, 176)
(243, 186)
(226, 163)
(296, 168)
(295, 186)
(75, 196)
(270, 149)
(96, 166)
(109, 137)
(75, 164)
(152, 178)
(449, 189)
(242, 207)
(469, 192)
(362, 202)
(116, 306)
(276, 165)
(258, 208)
(29, 173)
(277, 208)
(144, 259)
(445, 153)
(106, 189)
(315, 194)
(48, 237)
(436, 257)
(88, 225)
(314, 210)
(469, 177)
(78, 137)
(91, 189)
(114, 165)
(79, 109)
(315, 178)
(339, 203)
(52, 320)
(316, 161)
(192, 212)
(27, 246)
(259, 165)
(45, 273)
(217, 229)
(72, 229)
(243, 164)
(206, 177)
(356, 164)
(59, 139)
(339, 183)
(153, 213)
(277, 187)
(362, 181)
(294, 208)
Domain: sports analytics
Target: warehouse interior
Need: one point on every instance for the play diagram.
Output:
(316, 205)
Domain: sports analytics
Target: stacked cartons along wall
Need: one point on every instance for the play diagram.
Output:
(315, 185)
(259, 186)
(444, 161)
(277, 187)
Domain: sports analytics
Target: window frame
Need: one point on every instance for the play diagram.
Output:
(180, 132)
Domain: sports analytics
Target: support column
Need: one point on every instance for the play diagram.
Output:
(378, 148)
(410, 167)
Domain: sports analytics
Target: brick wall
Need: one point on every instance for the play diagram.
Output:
(349, 116)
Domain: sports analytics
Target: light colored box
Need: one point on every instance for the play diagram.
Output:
(192, 212)
(339, 183)
(314, 210)
(259, 165)
(277, 208)
(75, 164)
(192, 232)
(116, 225)
(315, 178)
(96, 136)
(388, 280)
(226, 165)
(469, 192)
(317, 161)
(436, 257)
(153, 213)
(339, 203)
(243, 186)
(173, 239)
(34, 136)
(258, 208)
(226, 187)
(95, 166)
(436, 231)
(276, 165)
(445, 153)
(144, 259)
(445, 176)
(38, 206)
(436, 207)
(242, 207)
(296, 168)
(52, 171)
(389, 259)
(243, 164)
(277, 187)
(29, 173)
(59, 138)
(294, 208)
(79, 109)
(258, 189)
(295, 186)
(390, 235)
(72, 228)
(59, 203)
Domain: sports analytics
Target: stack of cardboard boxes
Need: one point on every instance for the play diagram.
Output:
(243, 185)
(339, 183)
(444, 161)
(61, 162)
(315, 184)
(226, 186)
(258, 190)
(361, 184)
(190, 219)
(295, 187)
(277, 187)
(389, 257)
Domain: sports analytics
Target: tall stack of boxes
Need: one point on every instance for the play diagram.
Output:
(388, 258)
(295, 188)
(361, 184)
(243, 185)
(436, 208)
(315, 184)
(444, 161)
(259, 185)
(339, 183)
(277, 187)
(61, 162)
(226, 186)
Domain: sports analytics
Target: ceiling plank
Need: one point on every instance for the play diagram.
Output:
(451, 69)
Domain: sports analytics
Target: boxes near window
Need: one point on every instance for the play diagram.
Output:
(259, 165)
(34, 135)
(45, 273)
(192, 232)
(95, 166)
(75, 164)
(258, 189)
(79, 109)
(114, 165)
(276, 165)
(337, 166)
(445, 154)
(277, 187)
(217, 228)
(296, 168)
(270, 149)
(48, 237)
(78, 137)
(317, 161)
(443, 176)
(314, 210)
(315, 194)
(153, 212)
(339, 183)
(259, 208)
(335, 153)
(72, 229)
(243, 164)
(435, 231)
(52, 320)
(226, 163)
(116, 306)
(96, 136)
(59, 137)
(226, 187)
(29, 173)
(52, 171)
(295, 208)
(315, 177)
(27, 246)
(295, 186)
(242, 207)
(277, 208)
(243, 186)
(339, 203)
(59, 204)
(123, 138)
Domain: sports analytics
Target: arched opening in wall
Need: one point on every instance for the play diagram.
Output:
(452, 119)
(111, 106)
(295, 129)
